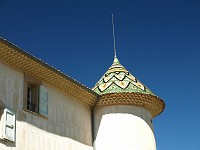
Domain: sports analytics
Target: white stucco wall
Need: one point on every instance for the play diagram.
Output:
(123, 128)
(68, 125)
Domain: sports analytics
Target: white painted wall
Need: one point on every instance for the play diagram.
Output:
(68, 126)
(123, 128)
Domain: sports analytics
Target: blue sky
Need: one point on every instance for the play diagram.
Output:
(157, 41)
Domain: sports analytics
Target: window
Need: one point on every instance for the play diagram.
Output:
(36, 96)
(32, 97)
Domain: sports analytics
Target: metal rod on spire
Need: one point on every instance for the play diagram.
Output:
(114, 35)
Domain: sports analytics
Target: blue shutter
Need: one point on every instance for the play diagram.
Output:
(9, 125)
(43, 101)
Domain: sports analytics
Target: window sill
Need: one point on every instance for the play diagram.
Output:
(34, 113)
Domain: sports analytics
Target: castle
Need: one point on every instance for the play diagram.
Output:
(42, 108)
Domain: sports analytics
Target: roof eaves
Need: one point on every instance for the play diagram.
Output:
(48, 66)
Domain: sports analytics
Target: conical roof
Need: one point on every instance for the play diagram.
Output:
(117, 79)
(119, 87)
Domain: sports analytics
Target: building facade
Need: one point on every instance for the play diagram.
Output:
(42, 108)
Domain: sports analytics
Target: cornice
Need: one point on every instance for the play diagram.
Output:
(152, 103)
(27, 63)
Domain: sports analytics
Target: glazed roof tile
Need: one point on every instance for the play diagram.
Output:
(117, 79)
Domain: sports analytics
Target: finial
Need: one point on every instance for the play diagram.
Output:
(114, 36)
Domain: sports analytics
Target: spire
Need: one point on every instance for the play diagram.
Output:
(113, 27)
(116, 61)
(118, 79)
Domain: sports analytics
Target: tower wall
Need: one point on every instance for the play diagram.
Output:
(123, 127)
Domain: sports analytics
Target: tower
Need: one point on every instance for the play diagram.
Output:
(124, 112)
